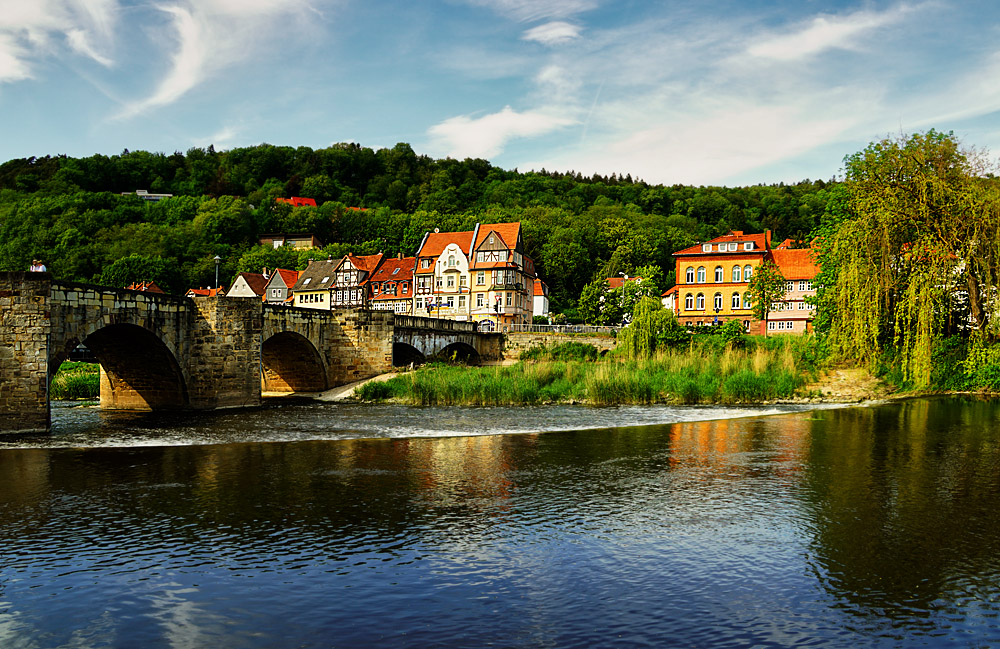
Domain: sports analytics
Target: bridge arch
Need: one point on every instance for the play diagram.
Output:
(405, 353)
(459, 351)
(289, 362)
(139, 371)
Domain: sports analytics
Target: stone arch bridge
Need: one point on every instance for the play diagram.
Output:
(170, 352)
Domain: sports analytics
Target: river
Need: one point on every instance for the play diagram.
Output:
(339, 525)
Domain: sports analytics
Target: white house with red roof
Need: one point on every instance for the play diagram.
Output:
(442, 275)
(248, 285)
(540, 299)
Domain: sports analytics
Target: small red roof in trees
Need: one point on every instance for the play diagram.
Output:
(298, 201)
(256, 281)
(618, 282)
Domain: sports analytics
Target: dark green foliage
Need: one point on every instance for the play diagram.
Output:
(76, 381)
(571, 351)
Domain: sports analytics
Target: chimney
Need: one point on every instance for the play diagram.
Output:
(310, 263)
(264, 272)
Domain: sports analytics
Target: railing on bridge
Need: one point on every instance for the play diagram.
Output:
(559, 329)
(440, 324)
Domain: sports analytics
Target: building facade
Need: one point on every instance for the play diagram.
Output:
(278, 289)
(391, 286)
(794, 314)
(713, 278)
(540, 299)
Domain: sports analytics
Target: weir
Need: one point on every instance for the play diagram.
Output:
(163, 352)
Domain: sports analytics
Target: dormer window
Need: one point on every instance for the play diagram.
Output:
(732, 247)
(306, 281)
(706, 247)
(395, 270)
(325, 280)
(748, 245)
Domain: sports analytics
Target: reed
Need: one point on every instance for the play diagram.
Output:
(691, 376)
(76, 381)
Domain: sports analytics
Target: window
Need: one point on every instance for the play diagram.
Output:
(425, 263)
(451, 303)
(802, 306)
(747, 304)
(420, 303)
(461, 301)
(701, 302)
(325, 280)
(706, 247)
(394, 271)
(737, 274)
(802, 285)
(736, 300)
(717, 302)
(508, 299)
(405, 287)
(463, 280)
(479, 299)
(748, 245)
(688, 302)
(701, 274)
(747, 272)
(451, 261)
(689, 275)
(719, 274)
(438, 282)
(451, 281)
(480, 277)
(733, 246)
(789, 286)
(306, 281)
(771, 325)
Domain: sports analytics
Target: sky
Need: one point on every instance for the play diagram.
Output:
(702, 93)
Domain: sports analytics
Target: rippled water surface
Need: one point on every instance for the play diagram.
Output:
(328, 525)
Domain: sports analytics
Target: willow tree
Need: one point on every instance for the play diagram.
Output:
(917, 248)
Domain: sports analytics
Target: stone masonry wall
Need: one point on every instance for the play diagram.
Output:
(518, 342)
(224, 357)
(24, 355)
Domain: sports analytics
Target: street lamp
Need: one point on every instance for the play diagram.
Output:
(625, 275)
(217, 260)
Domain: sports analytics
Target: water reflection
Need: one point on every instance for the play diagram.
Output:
(872, 526)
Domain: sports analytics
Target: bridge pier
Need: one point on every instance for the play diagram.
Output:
(24, 352)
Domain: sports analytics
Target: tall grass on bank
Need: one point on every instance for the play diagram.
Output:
(76, 381)
(697, 375)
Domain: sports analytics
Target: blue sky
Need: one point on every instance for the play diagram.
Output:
(711, 92)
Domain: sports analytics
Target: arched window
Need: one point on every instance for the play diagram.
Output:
(718, 302)
(737, 274)
(688, 301)
(736, 300)
(451, 261)
(689, 275)
(719, 275)
(747, 304)
(747, 272)
(701, 274)
(701, 302)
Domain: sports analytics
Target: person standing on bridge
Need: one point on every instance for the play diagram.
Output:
(37, 266)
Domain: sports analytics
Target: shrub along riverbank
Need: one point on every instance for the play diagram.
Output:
(707, 372)
(76, 381)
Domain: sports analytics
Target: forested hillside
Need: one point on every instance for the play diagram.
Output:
(70, 212)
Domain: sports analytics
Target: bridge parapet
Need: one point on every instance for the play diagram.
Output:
(436, 324)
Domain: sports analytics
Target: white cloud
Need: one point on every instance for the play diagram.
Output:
(554, 33)
(211, 35)
(534, 10)
(28, 30)
(826, 32)
(485, 137)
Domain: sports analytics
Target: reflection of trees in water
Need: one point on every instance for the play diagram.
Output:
(904, 503)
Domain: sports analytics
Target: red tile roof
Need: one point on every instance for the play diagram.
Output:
(760, 243)
(618, 282)
(205, 292)
(146, 287)
(508, 233)
(366, 262)
(289, 277)
(796, 263)
(538, 287)
(437, 241)
(394, 270)
(298, 201)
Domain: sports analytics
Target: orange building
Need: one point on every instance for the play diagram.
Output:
(713, 277)
(713, 280)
